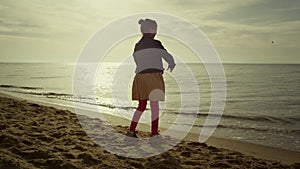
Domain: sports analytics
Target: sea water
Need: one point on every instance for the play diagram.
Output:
(262, 104)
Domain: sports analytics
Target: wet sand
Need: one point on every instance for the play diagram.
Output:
(38, 136)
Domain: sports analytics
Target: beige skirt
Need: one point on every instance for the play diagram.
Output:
(148, 86)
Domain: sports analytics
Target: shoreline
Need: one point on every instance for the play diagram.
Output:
(265, 136)
(247, 150)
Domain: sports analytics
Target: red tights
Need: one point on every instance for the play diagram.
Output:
(154, 115)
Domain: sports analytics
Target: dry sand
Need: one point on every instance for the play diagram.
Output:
(38, 136)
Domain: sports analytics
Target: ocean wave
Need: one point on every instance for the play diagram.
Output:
(261, 118)
(96, 101)
(20, 87)
(47, 77)
(235, 127)
(35, 91)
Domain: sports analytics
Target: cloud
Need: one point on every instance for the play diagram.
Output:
(21, 28)
(234, 24)
(48, 19)
(261, 13)
(254, 24)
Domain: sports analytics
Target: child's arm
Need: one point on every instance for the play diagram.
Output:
(169, 59)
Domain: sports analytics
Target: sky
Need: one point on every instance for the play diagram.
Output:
(242, 31)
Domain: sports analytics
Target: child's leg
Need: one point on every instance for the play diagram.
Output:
(137, 114)
(154, 117)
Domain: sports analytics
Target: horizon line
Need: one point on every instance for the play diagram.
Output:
(56, 62)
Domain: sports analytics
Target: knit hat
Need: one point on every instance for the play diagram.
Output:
(148, 25)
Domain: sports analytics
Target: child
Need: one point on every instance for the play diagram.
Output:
(148, 82)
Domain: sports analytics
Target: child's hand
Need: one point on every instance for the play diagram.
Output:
(171, 68)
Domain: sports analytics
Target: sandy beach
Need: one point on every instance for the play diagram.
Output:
(39, 136)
